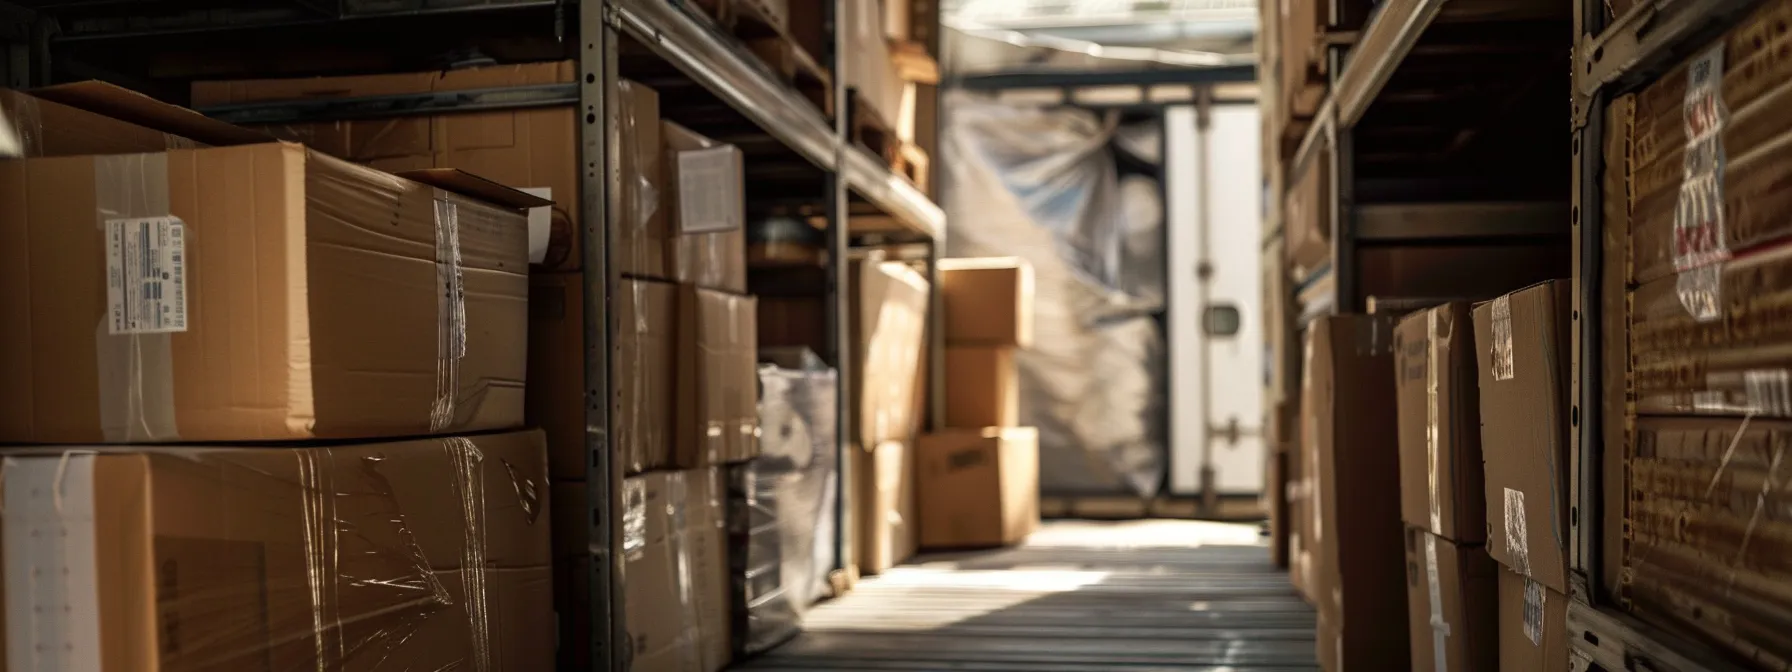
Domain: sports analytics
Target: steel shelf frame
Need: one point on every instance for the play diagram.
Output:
(1636, 48)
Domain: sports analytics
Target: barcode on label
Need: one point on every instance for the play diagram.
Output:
(146, 275)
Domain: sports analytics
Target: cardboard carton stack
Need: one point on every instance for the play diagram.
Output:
(1351, 558)
(178, 281)
(1522, 354)
(1709, 276)
(684, 347)
(889, 307)
(979, 475)
(1452, 583)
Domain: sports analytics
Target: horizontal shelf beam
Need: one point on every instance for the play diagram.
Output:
(1649, 39)
(1442, 221)
(871, 179)
(1051, 78)
(1383, 44)
(366, 107)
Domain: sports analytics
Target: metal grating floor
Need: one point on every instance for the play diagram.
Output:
(1148, 596)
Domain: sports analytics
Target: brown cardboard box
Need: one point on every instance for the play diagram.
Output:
(674, 567)
(1275, 502)
(646, 318)
(889, 300)
(299, 299)
(1307, 234)
(1452, 600)
(1533, 626)
(707, 242)
(1733, 363)
(1747, 83)
(870, 70)
(1441, 487)
(422, 554)
(526, 148)
(718, 378)
(1706, 554)
(1357, 535)
(977, 487)
(47, 128)
(1523, 356)
(982, 387)
(988, 301)
(883, 505)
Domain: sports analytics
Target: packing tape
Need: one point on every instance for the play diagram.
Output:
(1440, 628)
(144, 247)
(634, 518)
(690, 648)
(1700, 246)
(1535, 599)
(451, 312)
(52, 605)
(1503, 365)
(1517, 532)
(1431, 419)
(1310, 475)
(469, 485)
(20, 128)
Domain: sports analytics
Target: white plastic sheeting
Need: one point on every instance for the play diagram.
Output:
(1045, 185)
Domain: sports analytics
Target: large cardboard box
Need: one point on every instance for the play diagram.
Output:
(258, 292)
(424, 554)
(1725, 357)
(1441, 487)
(705, 205)
(889, 302)
(1452, 601)
(1523, 357)
(982, 386)
(646, 336)
(988, 301)
(1357, 534)
(526, 148)
(718, 378)
(883, 503)
(870, 70)
(1533, 626)
(977, 487)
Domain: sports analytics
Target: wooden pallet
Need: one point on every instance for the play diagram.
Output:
(798, 68)
(912, 163)
(867, 127)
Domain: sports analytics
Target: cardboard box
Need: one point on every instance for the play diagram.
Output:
(527, 148)
(676, 568)
(47, 128)
(988, 301)
(1522, 354)
(1275, 502)
(704, 207)
(883, 504)
(646, 320)
(889, 300)
(870, 70)
(1728, 360)
(1307, 234)
(1741, 78)
(1441, 489)
(1533, 626)
(977, 487)
(1452, 602)
(299, 298)
(1357, 535)
(718, 378)
(422, 554)
(982, 387)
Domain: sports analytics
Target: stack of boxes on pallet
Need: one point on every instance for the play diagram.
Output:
(684, 360)
(1699, 242)
(979, 474)
(268, 404)
(1478, 437)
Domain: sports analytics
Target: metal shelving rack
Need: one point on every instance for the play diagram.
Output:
(604, 34)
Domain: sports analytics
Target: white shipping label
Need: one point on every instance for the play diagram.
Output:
(146, 275)
(709, 197)
(541, 224)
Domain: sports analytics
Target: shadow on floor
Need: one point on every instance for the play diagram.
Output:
(1148, 596)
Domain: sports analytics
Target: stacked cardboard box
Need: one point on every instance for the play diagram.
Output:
(1522, 354)
(240, 295)
(889, 306)
(1352, 462)
(1452, 584)
(1710, 254)
(979, 474)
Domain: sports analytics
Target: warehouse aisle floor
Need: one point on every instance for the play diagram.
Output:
(1149, 596)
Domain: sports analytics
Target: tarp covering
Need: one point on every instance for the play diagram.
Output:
(1049, 186)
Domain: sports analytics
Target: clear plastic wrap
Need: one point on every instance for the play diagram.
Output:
(430, 554)
(781, 508)
(1042, 184)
